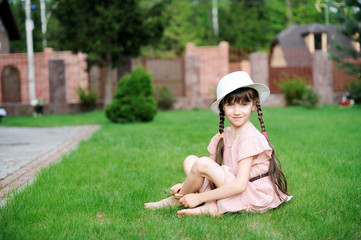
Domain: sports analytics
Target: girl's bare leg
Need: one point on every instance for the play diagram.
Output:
(201, 169)
(188, 163)
(168, 202)
(171, 201)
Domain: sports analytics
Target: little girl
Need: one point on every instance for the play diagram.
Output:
(242, 172)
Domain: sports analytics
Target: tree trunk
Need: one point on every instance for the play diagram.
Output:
(108, 90)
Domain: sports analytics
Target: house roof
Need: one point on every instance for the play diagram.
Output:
(8, 20)
(294, 48)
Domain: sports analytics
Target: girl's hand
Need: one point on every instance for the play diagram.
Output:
(177, 187)
(190, 200)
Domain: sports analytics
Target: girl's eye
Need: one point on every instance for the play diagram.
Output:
(229, 104)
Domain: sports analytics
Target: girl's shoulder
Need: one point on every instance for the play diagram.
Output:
(253, 143)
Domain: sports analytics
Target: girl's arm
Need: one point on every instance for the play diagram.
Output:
(223, 191)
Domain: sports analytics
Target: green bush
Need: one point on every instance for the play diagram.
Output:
(164, 98)
(309, 98)
(134, 100)
(355, 91)
(88, 98)
(293, 89)
(298, 92)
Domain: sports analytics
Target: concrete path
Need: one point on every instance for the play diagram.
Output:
(25, 150)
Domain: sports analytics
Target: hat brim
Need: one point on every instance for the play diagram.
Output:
(263, 93)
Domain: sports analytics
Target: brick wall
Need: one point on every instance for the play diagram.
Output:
(213, 65)
(75, 73)
(341, 79)
(277, 74)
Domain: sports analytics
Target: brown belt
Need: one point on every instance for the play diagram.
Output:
(259, 177)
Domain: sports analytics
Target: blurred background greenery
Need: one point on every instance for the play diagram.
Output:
(246, 24)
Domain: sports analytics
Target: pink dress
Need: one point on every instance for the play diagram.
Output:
(259, 195)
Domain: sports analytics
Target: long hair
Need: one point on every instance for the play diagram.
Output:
(278, 179)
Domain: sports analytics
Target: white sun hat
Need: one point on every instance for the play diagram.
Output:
(235, 80)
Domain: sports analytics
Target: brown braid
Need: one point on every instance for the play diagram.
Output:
(275, 171)
(220, 145)
(259, 111)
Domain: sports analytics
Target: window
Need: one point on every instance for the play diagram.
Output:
(318, 41)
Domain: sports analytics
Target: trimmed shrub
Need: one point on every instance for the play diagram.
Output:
(88, 98)
(298, 92)
(164, 98)
(293, 89)
(133, 100)
(309, 98)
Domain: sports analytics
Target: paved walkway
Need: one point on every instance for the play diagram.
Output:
(25, 150)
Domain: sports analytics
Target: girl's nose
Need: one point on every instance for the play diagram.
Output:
(237, 108)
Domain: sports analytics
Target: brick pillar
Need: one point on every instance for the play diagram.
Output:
(260, 74)
(191, 84)
(95, 79)
(57, 86)
(191, 77)
(322, 77)
(192, 81)
(259, 67)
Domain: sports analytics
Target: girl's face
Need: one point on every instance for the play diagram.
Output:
(238, 113)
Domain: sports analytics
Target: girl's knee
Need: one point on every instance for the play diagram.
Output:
(190, 159)
(202, 164)
(188, 163)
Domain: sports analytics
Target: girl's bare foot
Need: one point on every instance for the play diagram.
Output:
(168, 202)
(207, 209)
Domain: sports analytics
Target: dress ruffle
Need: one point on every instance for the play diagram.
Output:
(256, 146)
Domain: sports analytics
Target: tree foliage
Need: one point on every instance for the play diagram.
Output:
(18, 10)
(244, 24)
(248, 24)
(109, 30)
(110, 26)
(122, 27)
(350, 17)
(305, 12)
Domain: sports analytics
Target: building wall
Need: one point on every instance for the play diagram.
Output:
(75, 73)
(278, 58)
(310, 42)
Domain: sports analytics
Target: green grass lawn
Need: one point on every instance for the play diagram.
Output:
(98, 190)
